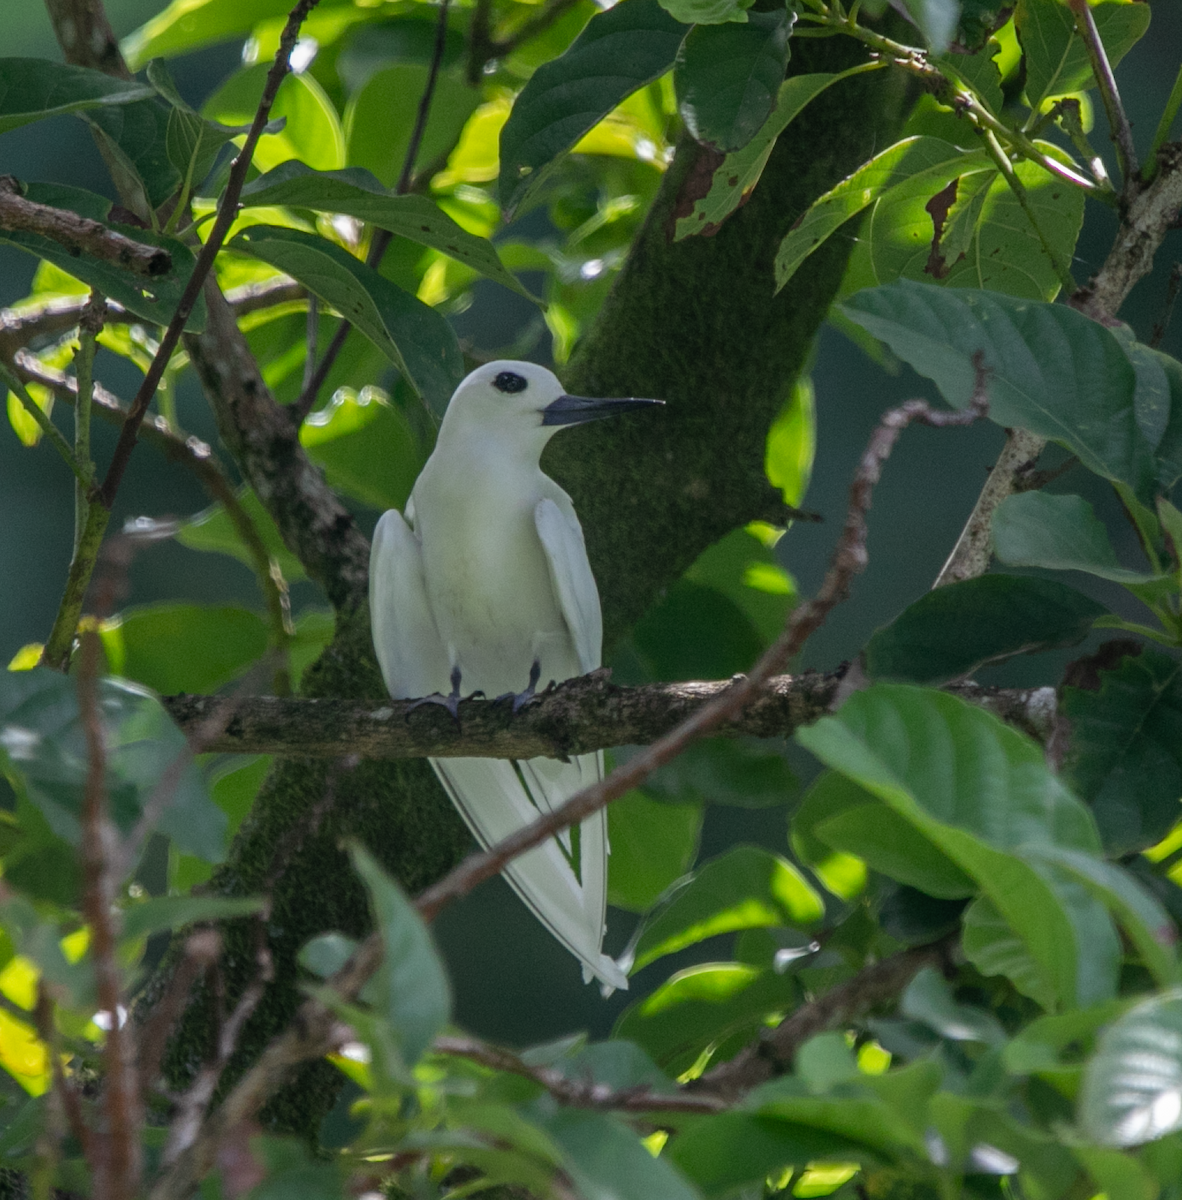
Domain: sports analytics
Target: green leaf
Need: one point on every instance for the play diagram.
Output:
(411, 984)
(1062, 533)
(414, 337)
(1169, 446)
(929, 999)
(366, 446)
(1052, 370)
(652, 845)
(929, 158)
(172, 912)
(356, 192)
(924, 755)
(152, 298)
(937, 21)
(617, 1063)
(32, 89)
(618, 52)
(953, 630)
(963, 226)
(1124, 756)
(43, 753)
(382, 114)
(188, 24)
(605, 1159)
(175, 648)
(1057, 59)
(327, 953)
(745, 772)
(1042, 1043)
(701, 1007)
(695, 632)
(993, 947)
(735, 178)
(720, 1153)
(1145, 921)
(1132, 1088)
(292, 1173)
(746, 888)
(728, 78)
(134, 140)
(212, 531)
(707, 12)
(311, 132)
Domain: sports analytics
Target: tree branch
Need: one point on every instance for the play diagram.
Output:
(227, 212)
(579, 716)
(1118, 120)
(78, 234)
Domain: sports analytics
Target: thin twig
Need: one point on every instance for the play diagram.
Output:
(484, 48)
(773, 1052)
(78, 234)
(1118, 119)
(578, 1093)
(65, 1089)
(60, 644)
(89, 327)
(48, 428)
(1163, 322)
(116, 1163)
(314, 380)
(1071, 120)
(315, 1030)
(227, 212)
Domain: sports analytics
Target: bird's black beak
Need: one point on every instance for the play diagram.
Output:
(577, 410)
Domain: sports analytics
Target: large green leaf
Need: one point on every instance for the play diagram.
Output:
(34, 88)
(735, 178)
(619, 51)
(134, 139)
(728, 78)
(605, 1159)
(992, 946)
(937, 20)
(707, 12)
(1132, 1090)
(410, 986)
(929, 158)
(982, 794)
(415, 338)
(187, 24)
(746, 888)
(1124, 756)
(366, 446)
(43, 752)
(1056, 56)
(952, 630)
(963, 226)
(1062, 533)
(356, 192)
(652, 845)
(1052, 370)
(745, 772)
(175, 648)
(171, 912)
(151, 298)
(701, 1007)
(720, 1153)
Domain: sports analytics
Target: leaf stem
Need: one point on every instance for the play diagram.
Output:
(1163, 128)
(61, 637)
(89, 325)
(1118, 119)
(48, 428)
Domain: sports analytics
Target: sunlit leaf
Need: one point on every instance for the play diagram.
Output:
(211, 530)
(652, 845)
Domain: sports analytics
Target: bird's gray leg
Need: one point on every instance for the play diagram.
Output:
(451, 701)
(521, 699)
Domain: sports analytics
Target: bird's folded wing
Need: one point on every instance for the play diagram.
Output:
(491, 798)
(570, 572)
(405, 639)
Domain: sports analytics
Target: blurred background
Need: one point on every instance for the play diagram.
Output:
(510, 976)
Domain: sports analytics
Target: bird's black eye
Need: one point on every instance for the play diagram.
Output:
(509, 381)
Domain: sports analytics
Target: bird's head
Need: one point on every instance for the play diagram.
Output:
(524, 402)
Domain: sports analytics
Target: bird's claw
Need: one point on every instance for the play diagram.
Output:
(521, 699)
(451, 701)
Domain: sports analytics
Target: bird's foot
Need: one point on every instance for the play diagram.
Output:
(521, 699)
(451, 701)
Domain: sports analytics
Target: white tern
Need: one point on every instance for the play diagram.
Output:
(484, 583)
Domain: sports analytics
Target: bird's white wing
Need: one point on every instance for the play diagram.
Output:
(409, 650)
(570, 572)
(489, 795)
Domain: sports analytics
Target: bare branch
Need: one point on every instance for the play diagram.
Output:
(227, 212)
(86, 36)
(775, 1049)
(578, 1093)
(1118, 120)
(78, 234)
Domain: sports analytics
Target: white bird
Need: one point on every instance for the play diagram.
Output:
(484, 582)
